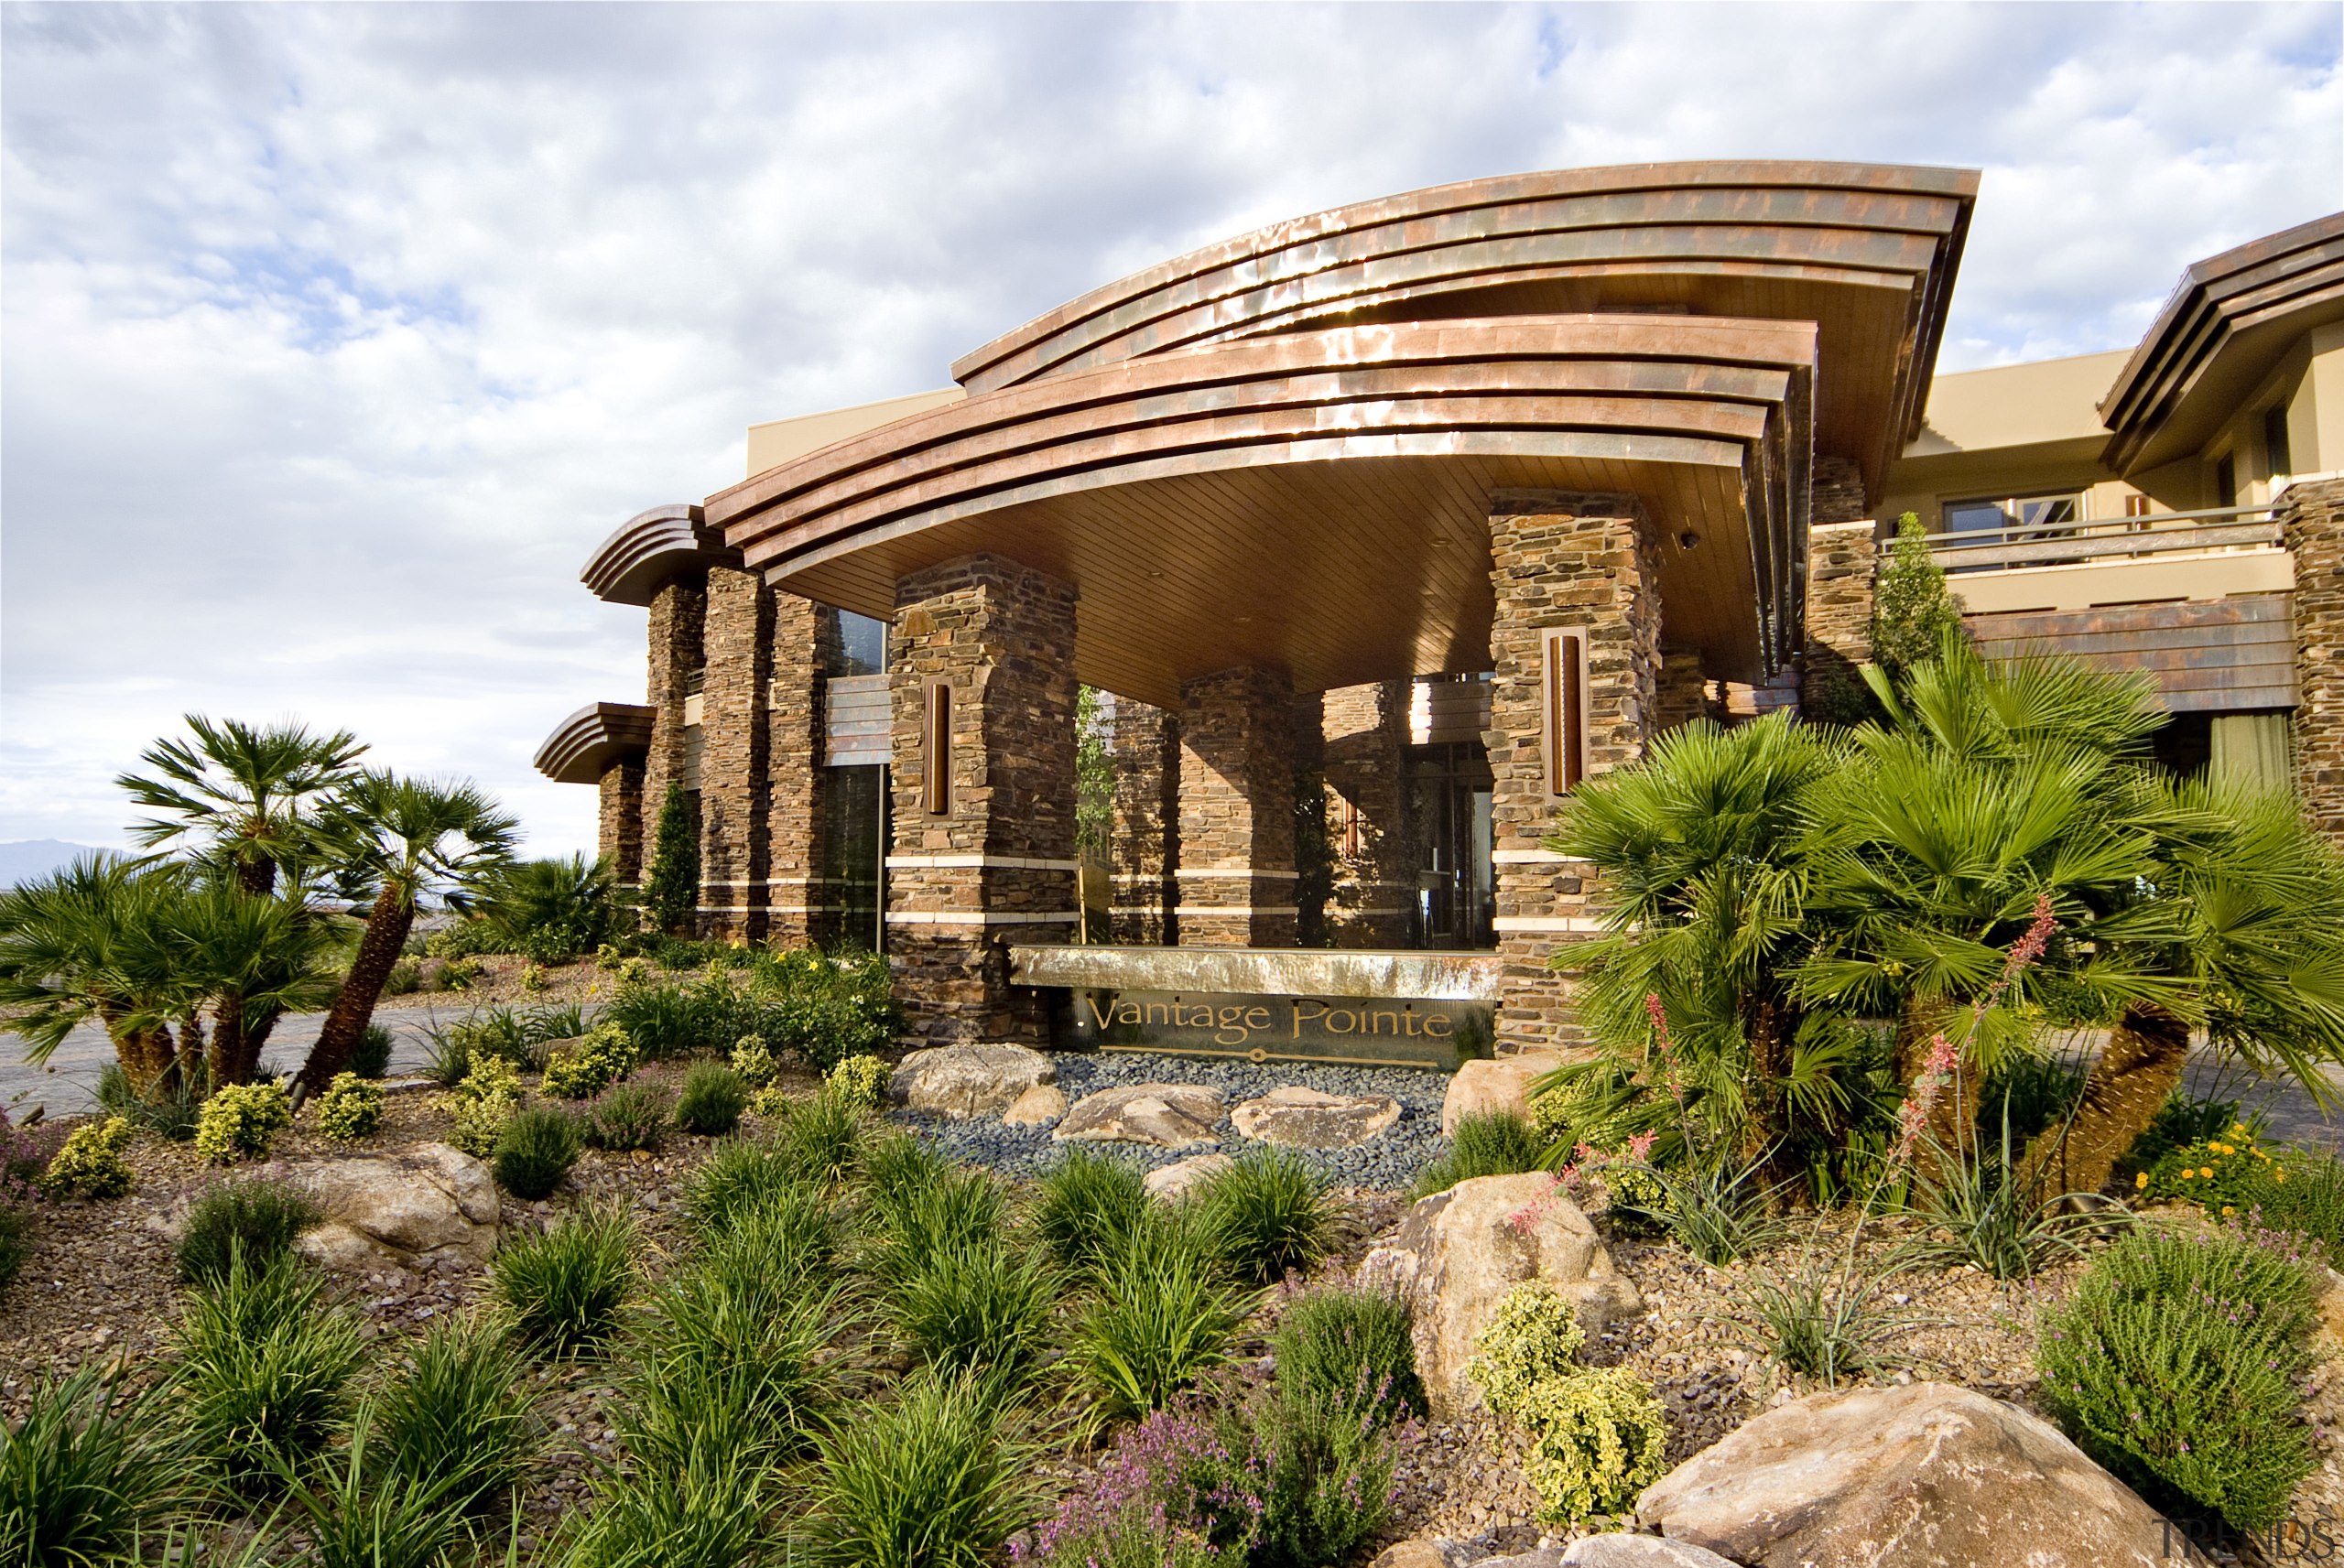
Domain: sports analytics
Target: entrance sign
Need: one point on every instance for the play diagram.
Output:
(1418, 1010)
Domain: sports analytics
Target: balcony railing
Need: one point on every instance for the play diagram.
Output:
(2217, 530)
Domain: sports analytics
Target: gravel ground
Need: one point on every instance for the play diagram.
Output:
(1388, 1162)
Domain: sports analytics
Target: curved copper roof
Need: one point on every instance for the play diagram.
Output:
(1867, 252)
(2222, 331)
(587, 742)
(1317, 501)
(649, 548)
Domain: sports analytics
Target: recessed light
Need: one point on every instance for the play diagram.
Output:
(1687, 539)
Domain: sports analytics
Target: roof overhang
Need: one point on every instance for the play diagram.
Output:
(584, 746)
(1867, 252)
(2224, 330)
(649, 550)
(1317, 501)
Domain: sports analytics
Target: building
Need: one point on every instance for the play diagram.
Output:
(1428, 507)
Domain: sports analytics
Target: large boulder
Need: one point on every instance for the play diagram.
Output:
(1168, 1116)
(1638, 1551)
(1037, 1106)
(1307, 1119)
(965, 1081)
(417, 1207)
(1427, 1552)
(1458, 1254)
(1927, 1475)
(1500, 1083)
(1175, 1181)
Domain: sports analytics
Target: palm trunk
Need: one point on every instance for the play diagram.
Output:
(2140, 1068)
(228, 1054)
(1770, 1029)
(354, 1005)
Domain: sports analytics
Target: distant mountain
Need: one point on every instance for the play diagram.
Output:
(29, 857)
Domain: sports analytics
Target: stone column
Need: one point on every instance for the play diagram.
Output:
(1581, 563)
(1363, 733)
(793, 765)
(1145, 837)
(1682, 694)
(1236, 872)
(621, 829)
(2311, 519)
(996, 864)
(678, 612)
(737, 639)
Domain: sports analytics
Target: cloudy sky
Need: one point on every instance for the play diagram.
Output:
(335, 337)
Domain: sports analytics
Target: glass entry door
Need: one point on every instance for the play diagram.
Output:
(1455, 882)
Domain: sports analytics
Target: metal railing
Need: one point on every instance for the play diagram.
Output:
(2220, 529)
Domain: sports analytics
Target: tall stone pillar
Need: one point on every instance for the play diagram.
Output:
(793, 767)
(1682, 693)
(737, 639)
(1144, 840)
(1236, 871)
(678, 614)
(981, 679)
(2311, 520)
(1364, 736)
(1576, 626)
(621, 825)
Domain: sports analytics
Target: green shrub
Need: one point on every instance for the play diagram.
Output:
(483, 1104)
(349, 1109)
(978, 1307)
(372, 1057)
(711, 1100)
(2184, 1118)
(1486, 1143)
(897, 1163)
(739, 1174)
(168, 1111)
(258, 1219)
(821, 1137)
(601, 1057)
(1314, 1473)
(345, 1513)
(458, 974)
(785, 1237)
(240, 1121)
(672, 881)
(930, 1481)
(710, 1016)
(1337, 1343)
(82, 1474)
(1597, 1435)
(2033, 1091)
(15, 1242)
(629, 1116)
(1087, 1205)
(825, 1007)
(535, 1152)
(564, 1287)
(1163, 1316)
(471, 937)
(1720, 1212)
(754, 1061)
(859, 1081)
(956, 1207)
(1268, 1214)
(2305, 1194)
(261, 1364)
(708, 1513)
(90, 1164)
(1824, 1318)
(404, 979)
(2175, 1362)
(729, 1366)
(457, 1414)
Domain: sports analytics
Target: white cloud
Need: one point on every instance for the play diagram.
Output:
(335, 337)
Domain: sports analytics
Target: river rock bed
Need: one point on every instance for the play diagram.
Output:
(1386, 1162)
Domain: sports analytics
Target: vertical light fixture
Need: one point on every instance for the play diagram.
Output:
(936, 760)
(1563, 693)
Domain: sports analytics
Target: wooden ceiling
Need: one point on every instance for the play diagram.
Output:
(1866, 252)
(2224, 329)
(1317, 501)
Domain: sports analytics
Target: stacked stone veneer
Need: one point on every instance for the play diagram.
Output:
(737, 639)
(1363, 733)
(1144, 835)
(798, 632)
(1681, 693)
(1235, 870)
(999, 866)
(2311, 519)
(1582, 562)
(621, 824)
(678, 615)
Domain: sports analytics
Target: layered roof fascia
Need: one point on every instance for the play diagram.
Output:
(2222, 331)
(583, 747)
(652, 549)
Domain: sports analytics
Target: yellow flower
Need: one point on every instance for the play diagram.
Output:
(2228, 1211)
(2279, 1175)
(2141, 1180)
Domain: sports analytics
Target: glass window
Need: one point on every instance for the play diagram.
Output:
(2276, 459)
(853, 829)
(863, 645)
(2013, 519)
(2226, 481)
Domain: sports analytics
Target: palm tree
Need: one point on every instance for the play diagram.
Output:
(416, 838)
(251, 960)
(245, 796)
(89, 943)
(556, 907)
